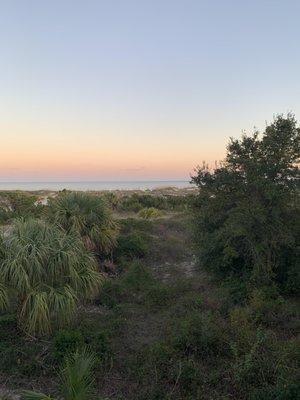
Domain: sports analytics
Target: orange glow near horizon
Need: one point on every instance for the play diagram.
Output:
(138, 90)
(41, 155)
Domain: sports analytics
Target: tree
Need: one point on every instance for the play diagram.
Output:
(247, 210)
(76, 378)
(89, 216)
(48, 271)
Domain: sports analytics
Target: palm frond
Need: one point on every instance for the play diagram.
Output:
(62, 304)
(4, 299)
(50, 270)
(89, 216)
(34, 314)
(77, 376)
(30, 395)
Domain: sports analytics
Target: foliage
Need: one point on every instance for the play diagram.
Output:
(77, 377)
(159, 329)
(130, 246)
(29, 395)
(247, 210)
(200, 334)
(19, 357)
(149, 213)
(18, 204)
(77, 381)
(48, 271)
(67, 341)
(280, 392)
(89, 216)
(138, 281)
(136, 202)
(5, 397)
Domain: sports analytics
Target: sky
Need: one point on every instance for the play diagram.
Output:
(139, 89)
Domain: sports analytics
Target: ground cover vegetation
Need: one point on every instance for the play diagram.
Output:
(199, 301)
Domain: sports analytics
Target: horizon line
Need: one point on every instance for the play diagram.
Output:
(97, 181)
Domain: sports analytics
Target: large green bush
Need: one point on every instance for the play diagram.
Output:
(247, 210)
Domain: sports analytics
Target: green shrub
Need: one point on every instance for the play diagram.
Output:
(242, 327)
(8, 321)
(137, 278)
(245, 213)
(101, 345)
(157, 295)
(154, 368)
(21, 358)
(268, 307)
(137, 285)
(286, 392)
(44, 274)
(257, 365)
(130, 246)
(189, 377)
(236, 290)
(171, 248)
(292, 283)
(150, 213)
(89, 216)
(18, 204)
(185, 302)
(200, 334)
(135, 225)
(136, 202)
(67, 341)
(111, 293)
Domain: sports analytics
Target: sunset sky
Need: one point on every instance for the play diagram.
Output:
(144, 89)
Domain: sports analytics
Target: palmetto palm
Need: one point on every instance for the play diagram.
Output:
(87, 214)
(76, 378)
(48, 271)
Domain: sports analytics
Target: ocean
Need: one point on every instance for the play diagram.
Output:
(85, 185)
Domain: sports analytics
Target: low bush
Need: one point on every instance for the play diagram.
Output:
(8, 326)
(190, 378)
(137, 202)
(286, 392)
(65, 342)
(101, 345)
(150, 213)
(111, 294)
(18, 204)
(200, 334)
(157, 295)
(130, 246)
(135, 225)
(22, 358)
(138, 278)
(271, 309)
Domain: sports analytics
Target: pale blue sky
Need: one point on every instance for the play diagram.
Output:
(151, 88)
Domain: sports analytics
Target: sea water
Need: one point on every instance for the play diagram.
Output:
(89, 185)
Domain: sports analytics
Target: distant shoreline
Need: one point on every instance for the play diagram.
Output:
(95, 185)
